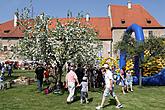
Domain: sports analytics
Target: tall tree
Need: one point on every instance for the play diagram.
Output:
(73, 41)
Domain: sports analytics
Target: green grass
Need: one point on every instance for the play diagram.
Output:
(26, 98)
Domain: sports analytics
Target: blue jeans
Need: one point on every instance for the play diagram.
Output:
(39, 84)
(9, 72)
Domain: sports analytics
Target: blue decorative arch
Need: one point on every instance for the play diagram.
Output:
(139, 38)
(157, 79)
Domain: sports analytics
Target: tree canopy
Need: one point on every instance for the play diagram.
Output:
(72, 41)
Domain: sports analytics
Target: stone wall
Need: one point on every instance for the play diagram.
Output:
(6, 43)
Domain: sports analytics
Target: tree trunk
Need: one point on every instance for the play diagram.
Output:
(60, 73)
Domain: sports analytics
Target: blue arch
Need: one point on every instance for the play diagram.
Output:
(139, 38)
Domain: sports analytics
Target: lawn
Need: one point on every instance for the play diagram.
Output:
(26, 98)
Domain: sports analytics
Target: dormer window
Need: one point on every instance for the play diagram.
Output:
(148, 21)
(6, 31)
(122, 21)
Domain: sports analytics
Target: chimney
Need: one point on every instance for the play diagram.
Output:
(87, 17)
(129, 4)
(15, 19)
(109, 10)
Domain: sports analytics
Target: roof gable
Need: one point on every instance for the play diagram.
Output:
(124, 17)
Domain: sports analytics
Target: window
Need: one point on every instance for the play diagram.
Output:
(148, 21)
(122, 21)
(6, 31)
(5, 48)
(150, 33)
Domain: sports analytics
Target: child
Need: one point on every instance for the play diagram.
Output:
(84, 90)
(122, 79)
(129, 80)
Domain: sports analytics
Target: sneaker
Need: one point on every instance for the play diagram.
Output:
(98, 107)
(68, 102)
(119, 106)
(81, 101)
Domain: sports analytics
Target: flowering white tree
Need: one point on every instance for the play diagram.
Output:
(73, 41)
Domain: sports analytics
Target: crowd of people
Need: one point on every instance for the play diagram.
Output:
(80, 79)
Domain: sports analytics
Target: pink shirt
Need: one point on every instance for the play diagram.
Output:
(71, 76)
(122, 73)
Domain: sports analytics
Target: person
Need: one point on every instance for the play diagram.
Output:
(46, 74)
(84, 90)
(9, 69)
(94, 77)
(118, 77)
(109, 87)
(71, 79)
(80, 72)
(129, 80)
(39, 76)
(122, 79)
(2, 70)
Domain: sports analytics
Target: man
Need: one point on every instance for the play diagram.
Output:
(80, 72)
(39, 75)
(109, 87)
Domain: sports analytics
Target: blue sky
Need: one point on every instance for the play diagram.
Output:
(59, 8)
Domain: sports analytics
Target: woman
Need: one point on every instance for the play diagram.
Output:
(71, 79)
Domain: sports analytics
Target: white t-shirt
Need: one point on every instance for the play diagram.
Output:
(108, 75)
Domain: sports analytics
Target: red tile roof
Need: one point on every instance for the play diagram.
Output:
(101, 24)
(137, 14)
(7, 30)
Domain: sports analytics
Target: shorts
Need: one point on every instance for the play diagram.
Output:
(123, 83)
(107, 92)
(128, 82)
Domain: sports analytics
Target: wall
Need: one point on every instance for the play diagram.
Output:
(106, 51)
(7, 42)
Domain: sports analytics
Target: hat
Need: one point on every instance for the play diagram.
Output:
(106, 65)
(84, 78)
